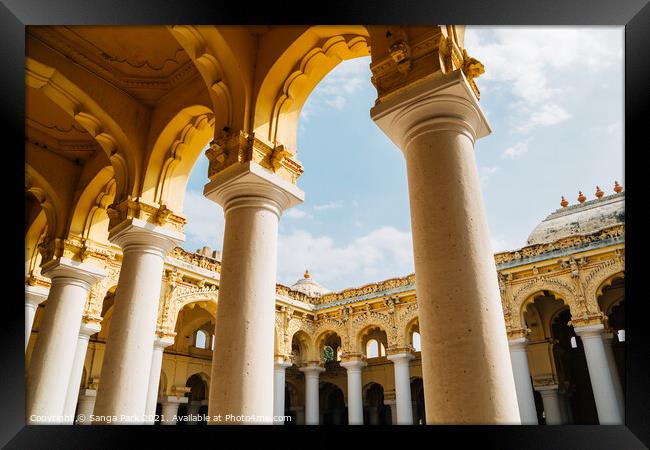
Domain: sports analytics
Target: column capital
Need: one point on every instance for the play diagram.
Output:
(520, 343)
(401, 357)
(87, 393)
(87, 273)
(35, 295)
(171, 399)
(444, 102)
(89, 328)
(590, 331)
(547, 389)
(312, 369)
(163, 342)
(138, 234)
(251, 185)
(282, 364)
(353, 365)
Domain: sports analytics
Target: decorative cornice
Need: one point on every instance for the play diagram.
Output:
(235, 147)
(135, 208)
(530, 251)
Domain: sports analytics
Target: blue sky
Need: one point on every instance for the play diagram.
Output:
(554, 99)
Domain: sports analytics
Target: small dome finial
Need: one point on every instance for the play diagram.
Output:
(617, 187)
(599, 192)
(564, 203)
(306, 274)
(581, 197)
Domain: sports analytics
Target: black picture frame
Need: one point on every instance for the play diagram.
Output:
(634, 15)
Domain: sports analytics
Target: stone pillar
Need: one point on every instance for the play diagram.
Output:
(127, 359)
(51, 362)
(170, 409)
(87, 329)
(86, 406)
(312, 373)
(435, 123)
(355, 397)
(253, 199)
(551, 400)
(602, 382)
(279, 389)
(159, 346)
(525, 398)
(608, 339)
(403, 387)
(34, 296)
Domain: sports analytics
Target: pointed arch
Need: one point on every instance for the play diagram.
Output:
(296, 72)
(175, 151)
(89, 114)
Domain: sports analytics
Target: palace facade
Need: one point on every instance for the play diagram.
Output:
(358, 350)
(122, 323)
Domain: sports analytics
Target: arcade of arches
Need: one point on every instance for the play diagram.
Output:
(122, 323)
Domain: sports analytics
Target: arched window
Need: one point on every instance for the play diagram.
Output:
(212, 345)
(339, 352)
(416, 341)
(574, 343)
(621, 335)
(372, 349)
(201, 339)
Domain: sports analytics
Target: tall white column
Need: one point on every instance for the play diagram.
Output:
(355, 397)
(279, 388)
(170, 406)
(435, 123)
(34, 296)
(159, 346)
(127, 358)
(51, 362)
(312, 373)
(551, 400)
(525, 398)
(86, 406)
(253, 199)
(86, 330)
(600, 374)
(608, 339)
(403, 387)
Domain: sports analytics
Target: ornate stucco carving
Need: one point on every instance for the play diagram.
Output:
(236, 147)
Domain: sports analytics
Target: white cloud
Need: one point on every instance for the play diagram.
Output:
(341, 83)
(486, 172)
(546, 115)
(383, 253)
(337, 102)
(296, 213)
(534, 63)
(205, 221)
(516, 151)
(501, 245)
(328, 205)
(613, 128)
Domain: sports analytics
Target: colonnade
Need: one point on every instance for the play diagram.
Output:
(402, 413)
(435, 123)
(605, 382)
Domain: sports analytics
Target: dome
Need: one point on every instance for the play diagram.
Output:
(308, 286)
(583, 218)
